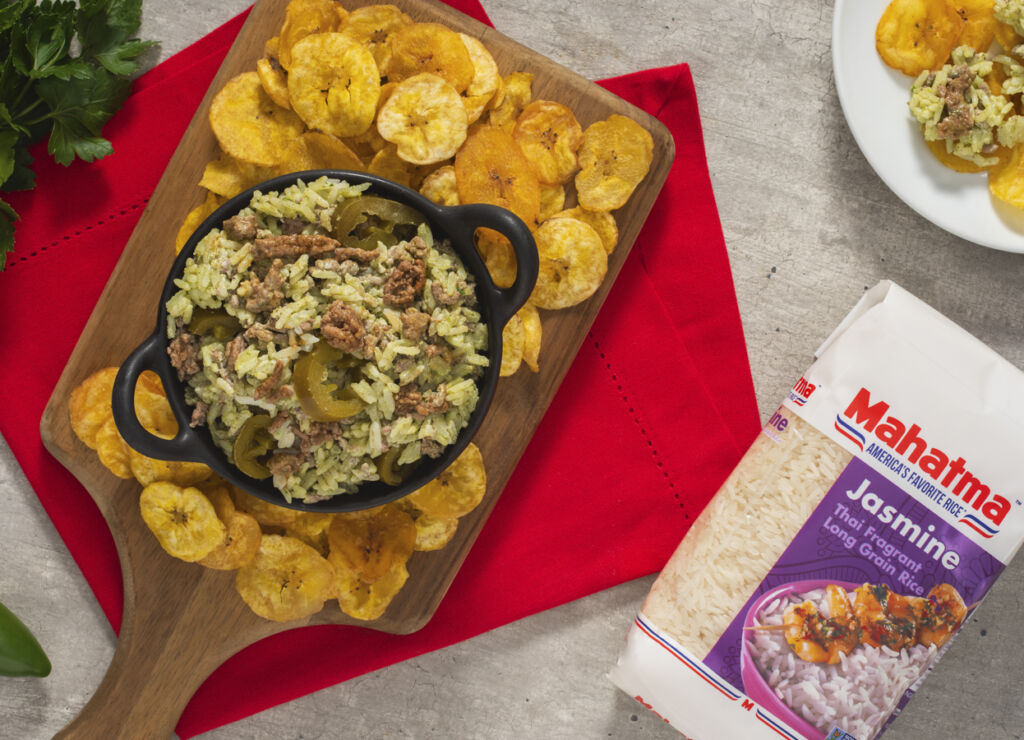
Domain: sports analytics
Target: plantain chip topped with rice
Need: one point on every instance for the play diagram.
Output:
(326, 339)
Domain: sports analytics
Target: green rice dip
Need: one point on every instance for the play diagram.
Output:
(393, 322)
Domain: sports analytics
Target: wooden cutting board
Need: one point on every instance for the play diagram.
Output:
(181, 621)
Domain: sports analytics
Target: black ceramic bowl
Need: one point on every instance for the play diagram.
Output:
(497, 305)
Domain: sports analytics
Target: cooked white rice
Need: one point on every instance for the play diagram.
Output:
(856, 695)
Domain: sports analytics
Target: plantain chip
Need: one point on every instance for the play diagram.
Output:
(602, 222)
(274, 80)
(266, 513)
(433, 48)
(286, 580)
(433, 533)
(457, 490)
(424, 118)
(1006, 179)
(552, 200)
(370, 543)
(242, 540)
(549, 135)
(112, 450)
(304, 18)
(89, 405)
(334, 84)
(486, 78)
(515, 94)
(573, 263)
(311, 527)
(148, 470)
(367, 601)
(248, 124)
(195, 217)
(372, 26)
(979, 29)
(491, 168)
(511, 346)
(440, 186)
(182, 519)
(614, 157)
(227, 176)
(915, 35)
(531, 335)
(499, 257)
(314, 150)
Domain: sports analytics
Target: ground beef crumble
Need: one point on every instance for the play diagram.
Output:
(405, 280)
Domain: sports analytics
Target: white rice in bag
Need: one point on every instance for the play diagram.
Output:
(890, 477)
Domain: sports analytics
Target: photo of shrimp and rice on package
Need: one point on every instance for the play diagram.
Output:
(849, 546)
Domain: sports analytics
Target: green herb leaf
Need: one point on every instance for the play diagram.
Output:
(7, 219)
(23, 178)
(104, 27)
(78, 109)
(8, 140)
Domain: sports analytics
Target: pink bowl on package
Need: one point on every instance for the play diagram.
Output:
(754, 684)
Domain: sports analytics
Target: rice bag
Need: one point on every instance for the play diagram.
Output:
(853, 540)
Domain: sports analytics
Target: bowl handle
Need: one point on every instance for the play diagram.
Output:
(182, 446)
(482, 215)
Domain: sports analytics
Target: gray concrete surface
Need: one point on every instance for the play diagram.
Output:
(808, 227)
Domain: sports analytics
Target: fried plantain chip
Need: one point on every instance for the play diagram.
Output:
(150, 470)
(531, 335)
(267, 514)
(915, 35)
(491, 168)
(372, 26)
(195, 217)
(433, 48)
(89, 405)
(242, 540)
(552, 200)
(227, 176)
(286, 580)
(499, 257)
(433, 533)
(959, 164)
(274, 80)
(387, 163)
(370, 543)
(486, 78)
(424, 118)
(549, 135)
(601, 221)
(440, 186)
(1006, 179)
(1007, 37)
(614, 157)
(112, 450)
(572, 263)
(515, 94)
(182, 519)
(311, 527)
(511, 346)
(457, 490)
(334, 84)
(304, 18)
(367, 601)
(316, 151)
(248, 124)
(979, 30)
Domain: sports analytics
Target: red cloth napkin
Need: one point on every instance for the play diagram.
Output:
(655, 411)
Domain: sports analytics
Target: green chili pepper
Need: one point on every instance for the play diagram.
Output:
(321, 400)
(216, 323)
(362, 222)
(20, 652)
(252, 443)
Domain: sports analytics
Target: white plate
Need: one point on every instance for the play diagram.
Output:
(874, 99)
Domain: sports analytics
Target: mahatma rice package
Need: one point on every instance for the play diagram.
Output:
(841, 556)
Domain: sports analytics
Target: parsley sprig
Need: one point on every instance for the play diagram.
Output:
(65, 69)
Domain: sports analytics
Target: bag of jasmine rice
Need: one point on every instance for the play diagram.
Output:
(842, 555)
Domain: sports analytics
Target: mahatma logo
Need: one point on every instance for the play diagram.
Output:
(801, 391)
(863, 416)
